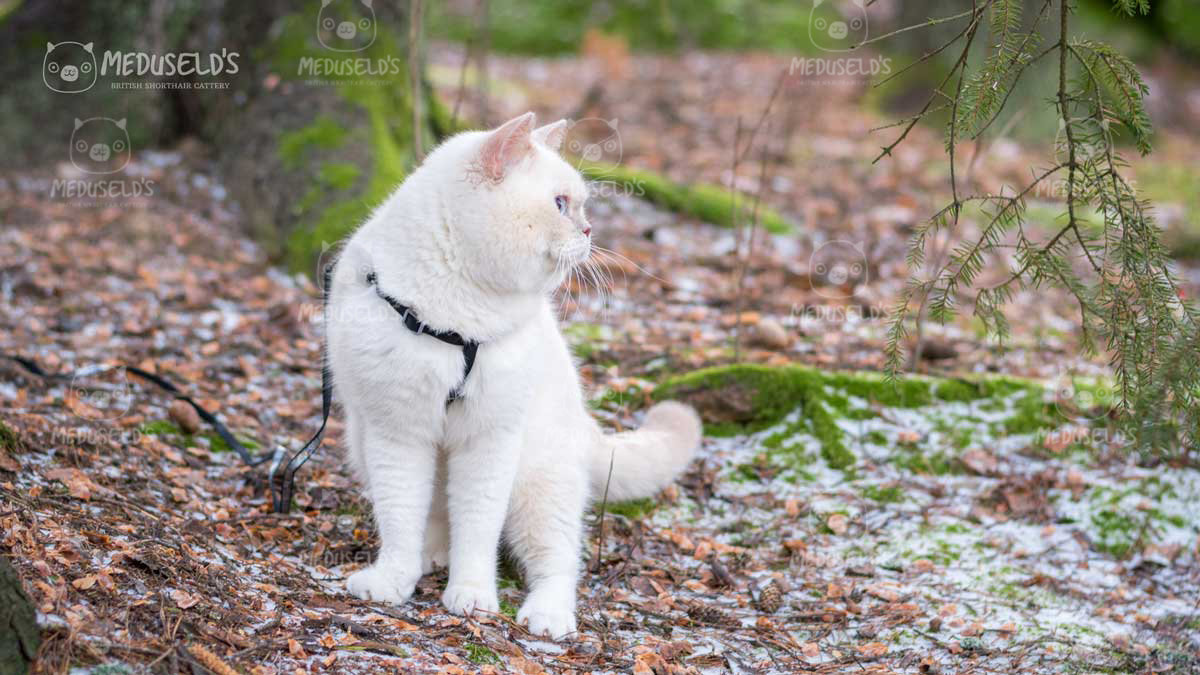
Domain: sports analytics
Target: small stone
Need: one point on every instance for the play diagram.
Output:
(770, 334)
(935, 624)
(185, 416)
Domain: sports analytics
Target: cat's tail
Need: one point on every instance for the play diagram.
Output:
(647, 460)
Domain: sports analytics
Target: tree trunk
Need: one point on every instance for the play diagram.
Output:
(311, 128)
(18, 625)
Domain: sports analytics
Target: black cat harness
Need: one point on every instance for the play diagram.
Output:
(282, 499)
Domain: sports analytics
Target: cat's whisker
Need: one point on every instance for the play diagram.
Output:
(639, 268)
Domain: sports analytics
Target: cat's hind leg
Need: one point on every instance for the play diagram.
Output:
(436, 552)
(543, 531)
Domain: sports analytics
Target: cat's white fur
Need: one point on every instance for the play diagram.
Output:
(474, 242)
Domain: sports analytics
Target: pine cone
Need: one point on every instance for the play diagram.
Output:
(708, 614)
(770, 598)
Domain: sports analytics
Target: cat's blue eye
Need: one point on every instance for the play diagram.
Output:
(561, 202)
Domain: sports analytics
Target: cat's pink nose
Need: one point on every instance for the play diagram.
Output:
(587, 231)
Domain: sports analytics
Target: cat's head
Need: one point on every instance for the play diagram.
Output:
(100, 145)
(69, 67)
(520, 219)
(838, 27)
(346, 25)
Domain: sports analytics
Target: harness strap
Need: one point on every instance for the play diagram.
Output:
(469, 347)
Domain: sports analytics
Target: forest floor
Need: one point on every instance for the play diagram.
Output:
(1000, 529)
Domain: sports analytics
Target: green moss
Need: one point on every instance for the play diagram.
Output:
(772, 392)
(915, 460)
(707, 203)
(586, 339)
(1031, 413)
(338, 175)
(161, 428)
(9, 440)
(632, 509)
(556, 28)
(480, 655)
(218, 444)
(884, 495)
(186, 440)
(508, 609)
(322, 134)
(342, 193)
(762, 396)
(1117, 532)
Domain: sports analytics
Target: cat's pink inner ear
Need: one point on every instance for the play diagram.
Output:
(551, 135)
(507, 146)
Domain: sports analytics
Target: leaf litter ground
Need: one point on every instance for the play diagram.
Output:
(948, 544)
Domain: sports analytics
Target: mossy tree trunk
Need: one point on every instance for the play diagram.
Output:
(312, 130)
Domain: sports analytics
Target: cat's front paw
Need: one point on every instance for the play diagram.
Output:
(382, 584)
(464, 599)
(548, 615)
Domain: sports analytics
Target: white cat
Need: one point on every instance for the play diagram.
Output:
(474, 241)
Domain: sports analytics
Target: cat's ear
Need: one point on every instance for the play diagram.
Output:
(78, 123)
(551, 135)
(326, 3)
(121, 123)
(506, 146)
(49, 47)
(88, 47)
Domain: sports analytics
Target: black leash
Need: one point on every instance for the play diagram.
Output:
(162, 383)
(283, 485)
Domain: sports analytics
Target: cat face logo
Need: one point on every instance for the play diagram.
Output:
(838, 30)
(346, 25)
(353, 254)
(838, 269)
(69, 67)
(1082, 399)
(101, 396)
(100, 145)
(594, 141)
